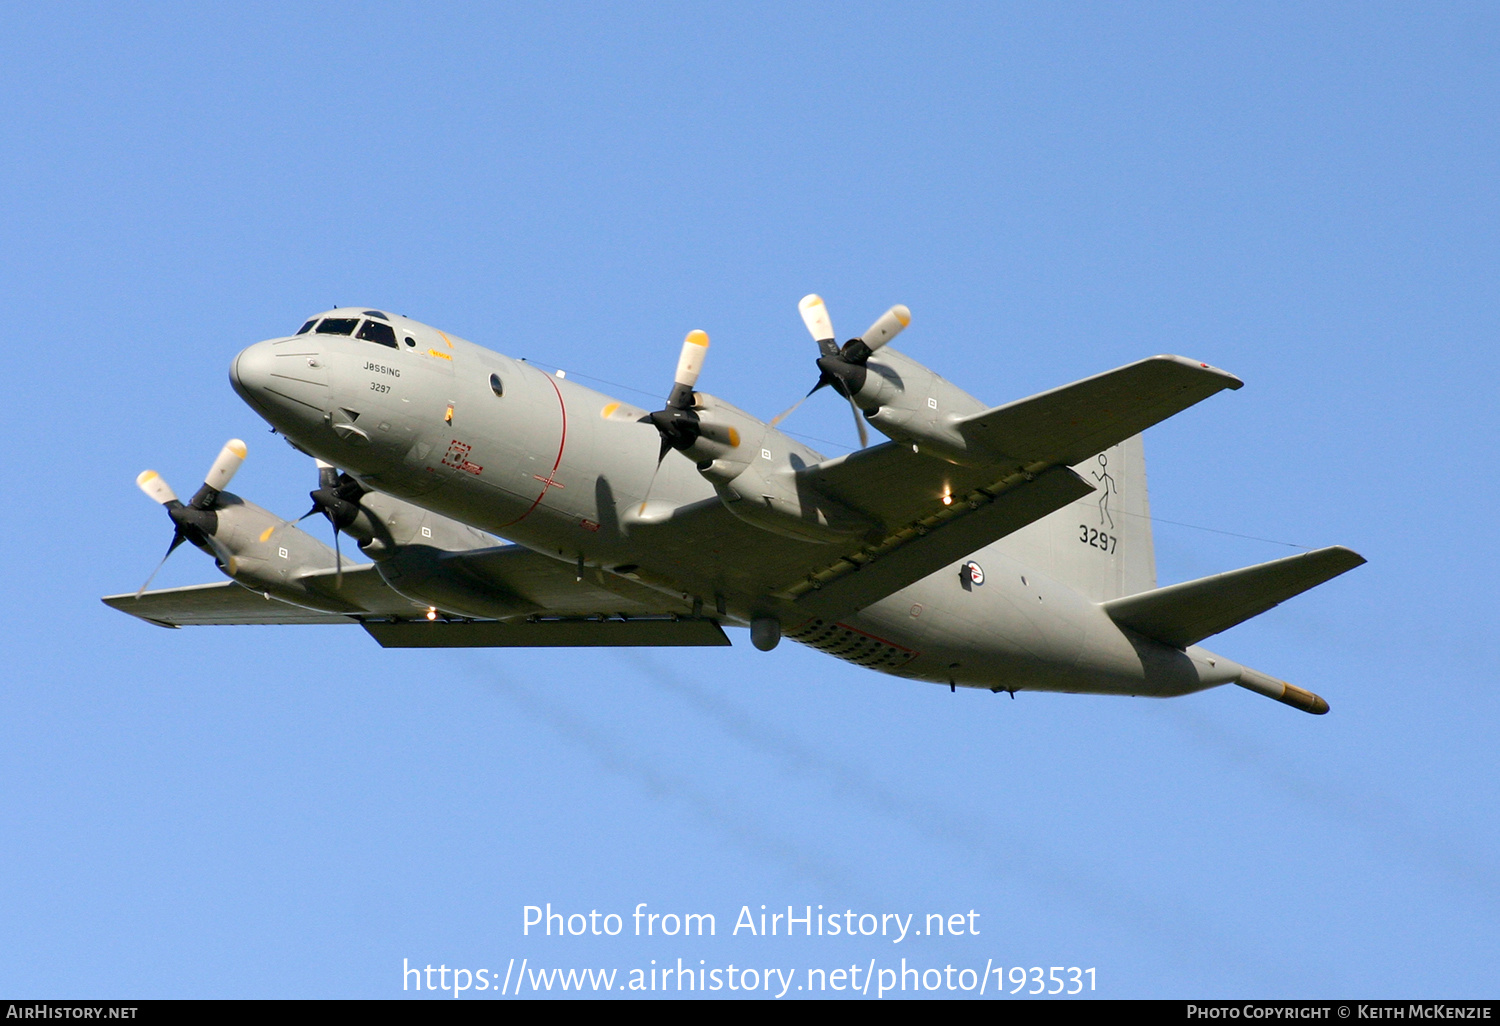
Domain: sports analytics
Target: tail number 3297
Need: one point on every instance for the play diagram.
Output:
(1098, 539)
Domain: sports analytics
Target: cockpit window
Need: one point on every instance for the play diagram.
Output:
(307, 327)
(338, 325)
(376, 313)
(374, 331)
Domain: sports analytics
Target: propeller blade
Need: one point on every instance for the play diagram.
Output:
(227, 464)
(155, 488)
(690, 363)
(338, 561)
(859, 422)
(887, 326)
(666, 447)
(222, 554)
(815, 316)
(784, 414)
(328, 474)
(823, 381)
(177, 539)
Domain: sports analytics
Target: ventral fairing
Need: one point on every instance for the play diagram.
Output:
(999, 547)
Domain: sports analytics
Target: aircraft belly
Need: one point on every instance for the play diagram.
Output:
(1015, 629)
(1020, 630)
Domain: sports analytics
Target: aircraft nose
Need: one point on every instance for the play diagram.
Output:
(282, 379)
(250, 371)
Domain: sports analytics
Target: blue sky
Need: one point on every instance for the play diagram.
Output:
(1303, 195)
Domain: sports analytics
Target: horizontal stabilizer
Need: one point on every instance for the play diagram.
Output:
(561, 633)
(1067, 425)
(1185, 614)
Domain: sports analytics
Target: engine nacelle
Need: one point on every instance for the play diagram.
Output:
(906, 402)
(268, 555)
(385, 525)
(754, 468)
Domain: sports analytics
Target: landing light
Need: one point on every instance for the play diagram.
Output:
(432, 612)
(947, 499)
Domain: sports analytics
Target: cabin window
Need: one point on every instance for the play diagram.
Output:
(496, 385)
(375, 331)
(337, 325)
(411, 342)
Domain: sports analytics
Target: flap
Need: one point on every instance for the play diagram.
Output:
(552, 585)
(1067, 425)
(1185, 614)
(559, 633)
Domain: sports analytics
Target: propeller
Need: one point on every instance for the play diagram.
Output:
(337, 498)
(678, 423)
(197, 519)
(843, 367)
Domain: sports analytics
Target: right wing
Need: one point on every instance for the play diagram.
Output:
(224, 602)
(553, 607)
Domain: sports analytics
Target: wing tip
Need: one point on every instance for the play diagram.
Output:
(1342, 556)
(122, 603)
(1230, 381)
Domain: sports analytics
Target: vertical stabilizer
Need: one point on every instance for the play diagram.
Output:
(1100, 545)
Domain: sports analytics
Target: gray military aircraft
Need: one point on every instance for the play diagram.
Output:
(1005, 547)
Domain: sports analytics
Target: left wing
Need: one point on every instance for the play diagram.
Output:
(1067, 425)
(938, 513)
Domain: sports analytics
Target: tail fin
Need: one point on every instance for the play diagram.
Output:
(1100, 545)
